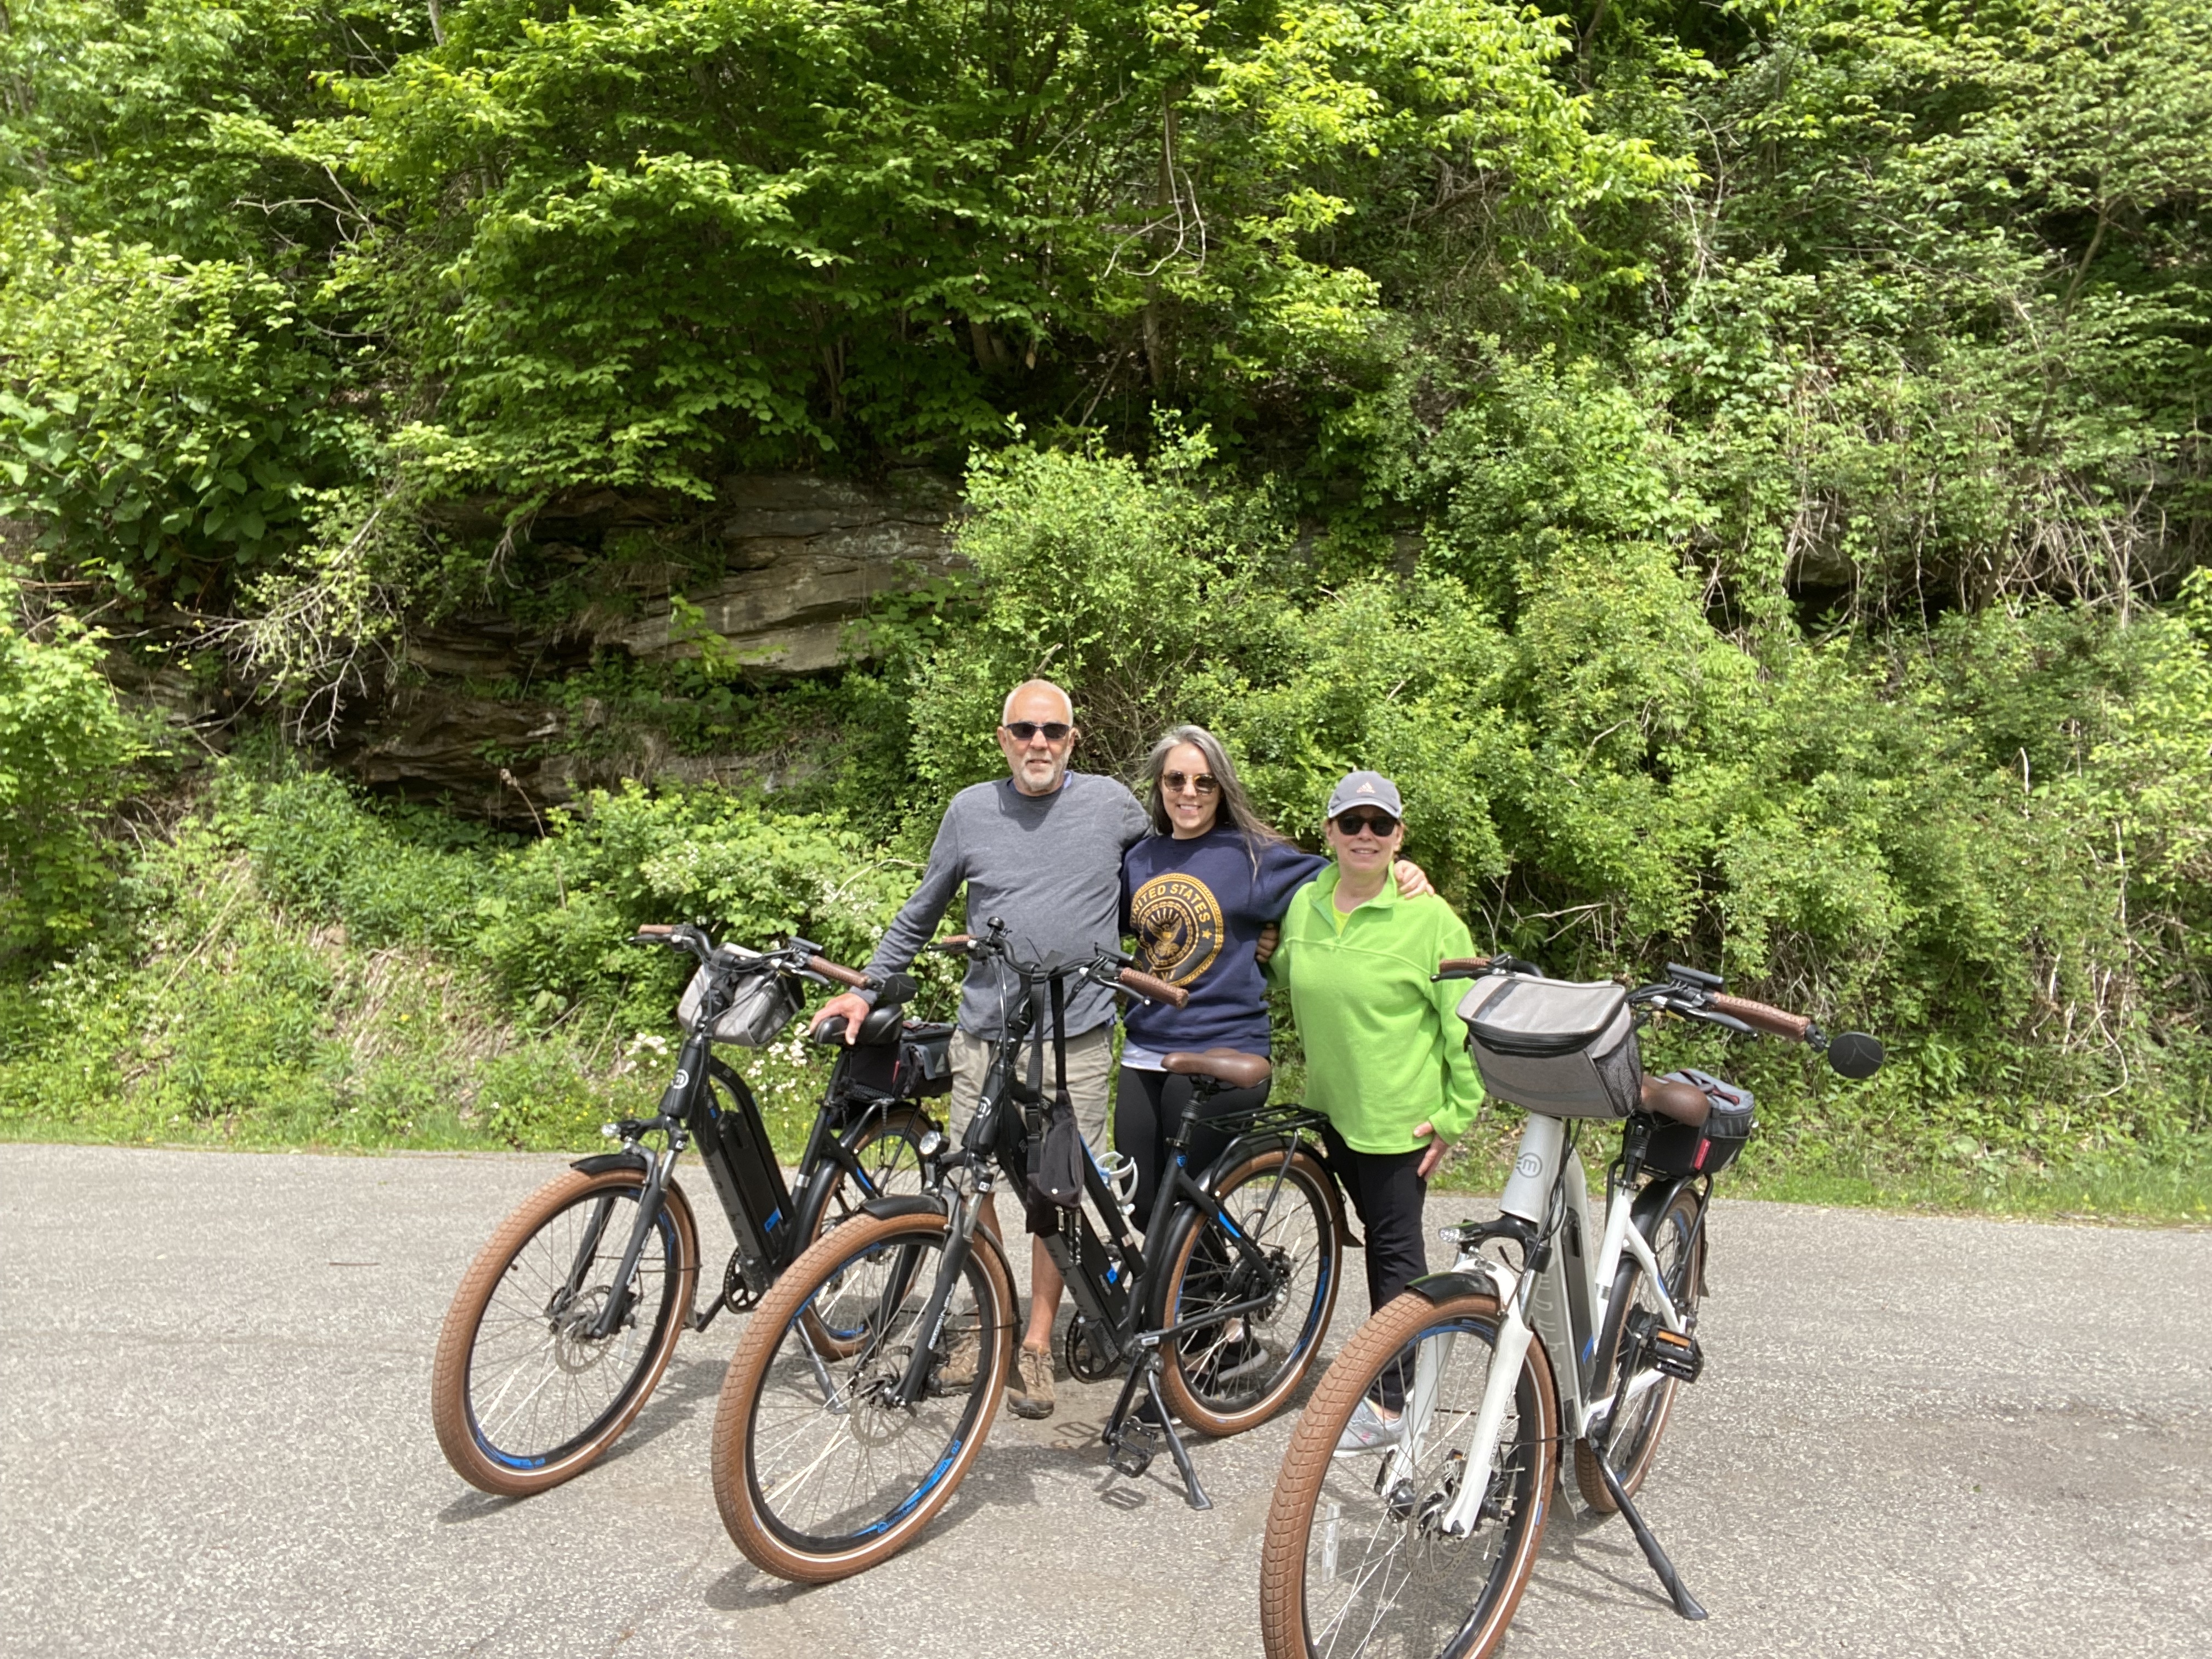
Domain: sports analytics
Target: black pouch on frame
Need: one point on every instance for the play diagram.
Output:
(1056, 1151)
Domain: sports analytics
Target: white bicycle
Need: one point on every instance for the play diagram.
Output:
(1423, 1547)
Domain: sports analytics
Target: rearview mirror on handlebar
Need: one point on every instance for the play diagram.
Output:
(1854, 1055)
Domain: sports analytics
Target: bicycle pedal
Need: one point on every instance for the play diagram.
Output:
(1129, 1460)
(1676, 1355)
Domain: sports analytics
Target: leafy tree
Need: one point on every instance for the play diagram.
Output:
(64, 746)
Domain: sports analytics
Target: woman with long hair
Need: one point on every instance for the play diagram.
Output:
(1199, 893)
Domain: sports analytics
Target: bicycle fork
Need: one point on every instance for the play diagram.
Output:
(959, 1244)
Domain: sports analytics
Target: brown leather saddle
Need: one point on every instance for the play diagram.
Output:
(1226, 1067)
(1682, 1102)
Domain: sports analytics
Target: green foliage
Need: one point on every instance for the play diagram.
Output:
(296, 966)
(1740, 467)
(1908, 841)
(64, 746)
(159, 420)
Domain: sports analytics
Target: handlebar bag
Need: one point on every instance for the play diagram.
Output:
(761, 1003)
(1676, 1149)
(1552, 1046)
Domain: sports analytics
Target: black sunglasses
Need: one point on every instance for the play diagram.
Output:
(1055, 731)
(1352, 822)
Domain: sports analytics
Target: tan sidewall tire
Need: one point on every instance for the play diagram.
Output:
(449, 1371)
(1313, 1441)
(1588, 1481)
(749, 1365)
(1180, 1401)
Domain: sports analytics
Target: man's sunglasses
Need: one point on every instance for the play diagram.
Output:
(1352, 822)
(1055, 731)
(1203, 783)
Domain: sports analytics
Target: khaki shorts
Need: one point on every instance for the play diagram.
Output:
(1089, 1060)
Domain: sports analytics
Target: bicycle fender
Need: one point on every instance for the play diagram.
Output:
(897, 1204)
(600, 1163)
(1438, 1288)
(1652, 1202)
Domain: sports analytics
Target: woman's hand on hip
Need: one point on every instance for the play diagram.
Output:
(1264, 946)
(1413, 881)
(1435, 1155)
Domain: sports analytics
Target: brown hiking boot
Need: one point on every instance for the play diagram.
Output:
(962, 1361)
(1031, 1394)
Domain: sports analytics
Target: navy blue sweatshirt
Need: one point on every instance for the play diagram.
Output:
(1196, 908)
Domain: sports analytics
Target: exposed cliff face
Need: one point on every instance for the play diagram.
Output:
(799, 559)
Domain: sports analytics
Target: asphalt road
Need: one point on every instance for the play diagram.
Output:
(1915, 1435)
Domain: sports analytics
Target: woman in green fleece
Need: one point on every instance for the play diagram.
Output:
(1386, 1058)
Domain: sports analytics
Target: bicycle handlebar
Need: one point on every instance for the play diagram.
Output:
(850, 977)
(1158, 990)
(1762, 1016)
(1463, 966)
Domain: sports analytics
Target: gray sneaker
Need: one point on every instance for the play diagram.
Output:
(1369, 1431)
(1031, 1394)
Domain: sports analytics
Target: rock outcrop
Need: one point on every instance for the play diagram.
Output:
(471, 721)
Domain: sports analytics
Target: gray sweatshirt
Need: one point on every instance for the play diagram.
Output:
(1049, 866)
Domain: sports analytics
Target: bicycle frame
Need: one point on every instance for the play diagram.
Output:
(1560, 1296)
(1109, 1277)
(741, 1166)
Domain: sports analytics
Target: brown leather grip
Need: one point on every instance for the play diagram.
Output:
(1158, 989)
(830, 971)
(655, 929)
(1463, 965)
(962, 943)
(1761, 1017)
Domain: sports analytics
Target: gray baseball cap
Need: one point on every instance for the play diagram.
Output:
(1365, 789)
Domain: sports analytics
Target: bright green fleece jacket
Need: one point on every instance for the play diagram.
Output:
(1385, 1049)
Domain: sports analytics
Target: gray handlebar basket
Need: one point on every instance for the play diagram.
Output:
(760, 1003)
(1555, 1047)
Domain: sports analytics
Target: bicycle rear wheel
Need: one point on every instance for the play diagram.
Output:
(1649, 1401)
(817, 1472)
(888, 1149)
(522, 1396)
(1226, 1377)
(1354, 1561)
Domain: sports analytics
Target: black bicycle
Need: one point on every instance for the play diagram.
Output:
(830, 1458)
(564, 1323)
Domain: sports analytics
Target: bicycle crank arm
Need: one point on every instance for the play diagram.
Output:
(1685, 1603)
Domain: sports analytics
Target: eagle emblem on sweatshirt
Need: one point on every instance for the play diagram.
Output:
(1179, 927)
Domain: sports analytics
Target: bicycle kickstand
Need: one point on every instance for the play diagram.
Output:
(1119, 1430)
(1685, 1603)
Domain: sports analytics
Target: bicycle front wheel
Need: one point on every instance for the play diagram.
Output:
(1356, 1560)
(523, 1393)
(818, 1471)
(1224, 1376)
(1624, 1361)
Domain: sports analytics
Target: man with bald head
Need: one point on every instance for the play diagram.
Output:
(1041, 849)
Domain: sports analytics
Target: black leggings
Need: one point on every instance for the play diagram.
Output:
(1147, 1106)
(1387, 1193)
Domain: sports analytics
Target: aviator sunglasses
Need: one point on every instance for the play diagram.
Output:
(1352, 822)
(1055, 731)
(1203, 783)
